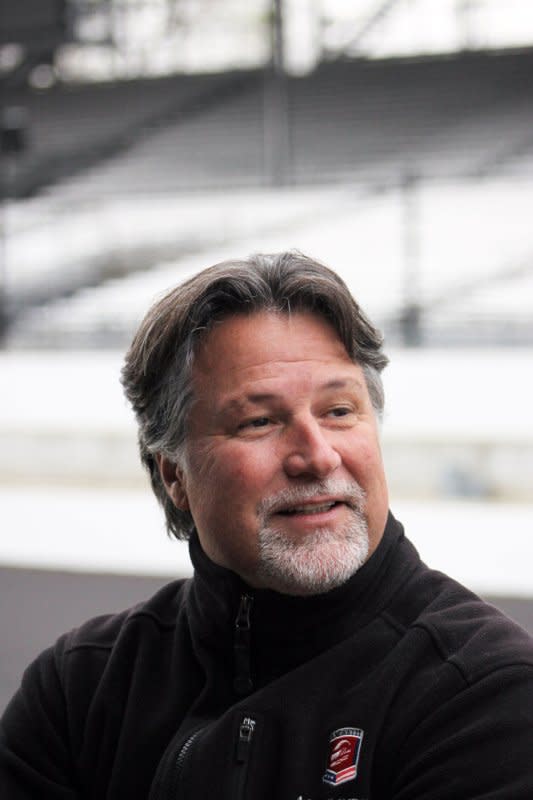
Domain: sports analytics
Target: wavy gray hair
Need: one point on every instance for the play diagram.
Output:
(157, 373)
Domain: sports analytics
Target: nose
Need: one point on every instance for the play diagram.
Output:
(309, 453)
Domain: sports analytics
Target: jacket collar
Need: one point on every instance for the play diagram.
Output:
(285, 631)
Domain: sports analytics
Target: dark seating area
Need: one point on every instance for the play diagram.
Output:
(371, 121)
(440, 117)
(73, 127)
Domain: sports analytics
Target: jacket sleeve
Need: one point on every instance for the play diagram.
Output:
(35, 761)
(474, 747)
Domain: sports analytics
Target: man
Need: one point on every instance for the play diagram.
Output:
(313, 655)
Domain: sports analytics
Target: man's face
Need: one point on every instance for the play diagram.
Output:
(284, 477)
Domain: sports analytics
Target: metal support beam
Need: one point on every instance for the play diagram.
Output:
(276, 117)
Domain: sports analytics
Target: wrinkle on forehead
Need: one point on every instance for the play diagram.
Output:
(268, 354)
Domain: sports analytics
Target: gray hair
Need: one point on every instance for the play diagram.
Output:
(157, 373)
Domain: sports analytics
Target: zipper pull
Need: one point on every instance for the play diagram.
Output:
(242, 681)
(246, 732)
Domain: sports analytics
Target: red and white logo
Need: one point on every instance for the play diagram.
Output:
(344, 749)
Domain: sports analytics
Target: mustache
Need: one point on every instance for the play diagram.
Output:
(348, 492)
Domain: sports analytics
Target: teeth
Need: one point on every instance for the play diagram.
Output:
(310, 509)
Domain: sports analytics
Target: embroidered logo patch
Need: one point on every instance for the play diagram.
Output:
(344, 749)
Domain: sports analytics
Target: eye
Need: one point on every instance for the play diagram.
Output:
(257, 422)
(341, 411)
(340, 416)
(260, 422)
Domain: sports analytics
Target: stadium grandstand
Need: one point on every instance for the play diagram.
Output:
(398, 129)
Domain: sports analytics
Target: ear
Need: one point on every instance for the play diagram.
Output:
(173, 481)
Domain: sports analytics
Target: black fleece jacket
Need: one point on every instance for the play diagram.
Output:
(399, 685)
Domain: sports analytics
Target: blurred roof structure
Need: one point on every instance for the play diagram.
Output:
(85, 40)
(392, 134)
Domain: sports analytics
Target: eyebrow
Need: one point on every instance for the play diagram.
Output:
(256, 398)
(342, 383)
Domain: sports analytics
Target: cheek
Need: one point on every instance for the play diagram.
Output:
(364, 461)
(232, 471)
(247, 476)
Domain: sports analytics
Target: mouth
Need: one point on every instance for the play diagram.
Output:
(310, 508)
(321, 503)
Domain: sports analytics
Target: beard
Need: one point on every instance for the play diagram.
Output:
(320, 560)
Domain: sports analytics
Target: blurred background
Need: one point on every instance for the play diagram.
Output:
(142, 140)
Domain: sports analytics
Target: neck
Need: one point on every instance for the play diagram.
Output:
(270, 632)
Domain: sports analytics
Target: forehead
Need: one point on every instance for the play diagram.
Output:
(245, 342)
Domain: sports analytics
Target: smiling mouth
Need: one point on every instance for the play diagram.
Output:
(311, 508)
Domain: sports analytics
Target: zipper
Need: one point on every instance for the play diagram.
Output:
(167, 780)
(242, 676)
(182, 755)
(168, 775)
(243, 750)
(169, 772)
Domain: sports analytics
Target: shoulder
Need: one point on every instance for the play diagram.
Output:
(75, 689)
(464, 712)
(104, 648)
(465, 631)
(158, 614)
(83, 653)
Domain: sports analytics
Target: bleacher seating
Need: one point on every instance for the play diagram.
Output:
(358, 120)
(438, 117)
(367, 124)
(73, 127)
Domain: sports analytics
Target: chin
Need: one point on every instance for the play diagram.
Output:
(322, 561)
